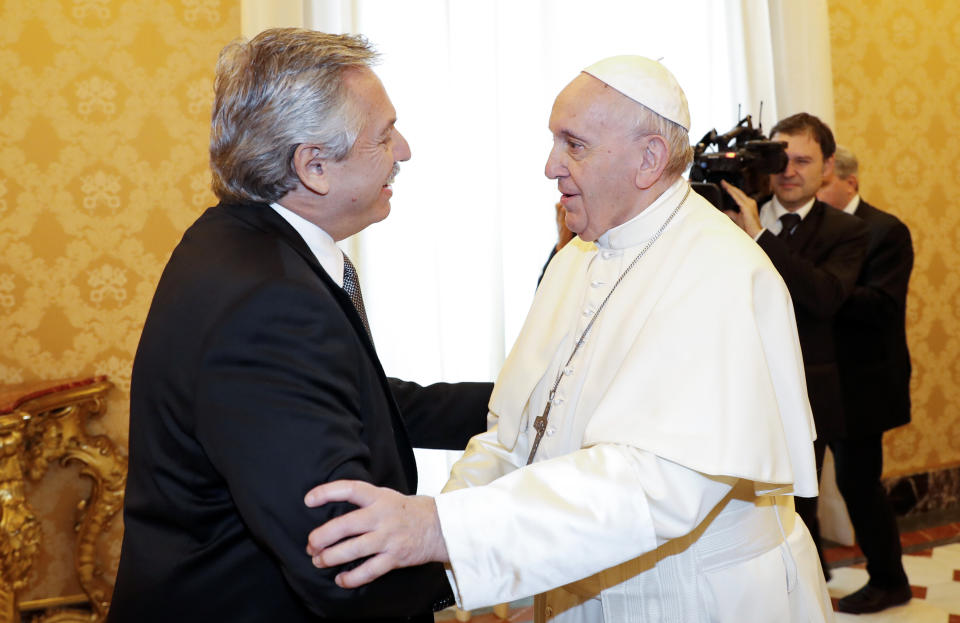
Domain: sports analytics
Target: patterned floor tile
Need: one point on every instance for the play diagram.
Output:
(945, 595)
(934, 580)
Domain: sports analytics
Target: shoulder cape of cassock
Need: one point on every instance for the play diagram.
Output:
(696, 357)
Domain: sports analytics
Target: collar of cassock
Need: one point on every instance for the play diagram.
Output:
(644, 226)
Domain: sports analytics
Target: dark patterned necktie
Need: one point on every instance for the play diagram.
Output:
(351, 285)
(789, 222)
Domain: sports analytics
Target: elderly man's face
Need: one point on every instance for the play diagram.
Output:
(594, 156)
(360, 183)
(806, 168)
(837, 191)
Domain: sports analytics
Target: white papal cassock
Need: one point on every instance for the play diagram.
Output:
(660, 491)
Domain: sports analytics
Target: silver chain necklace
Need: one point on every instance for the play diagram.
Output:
(540, 423)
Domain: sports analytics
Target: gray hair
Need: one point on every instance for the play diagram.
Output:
(282, 88)
(844, 163)
(677, 138)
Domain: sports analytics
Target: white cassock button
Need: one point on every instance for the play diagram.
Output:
(597, 284)
(588, 311)
(568, 370)
(557, 400)
(607, 255)
(551, 431)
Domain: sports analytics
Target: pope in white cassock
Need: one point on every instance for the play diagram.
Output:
(650, 424)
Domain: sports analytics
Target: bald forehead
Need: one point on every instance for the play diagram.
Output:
(593, 101)
(586, 86)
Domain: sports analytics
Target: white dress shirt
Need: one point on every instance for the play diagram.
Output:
(320, 242)
(771, 211)
(851, 208)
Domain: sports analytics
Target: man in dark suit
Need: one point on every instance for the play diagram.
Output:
(256, 377)
(818, 252)
(874, 363)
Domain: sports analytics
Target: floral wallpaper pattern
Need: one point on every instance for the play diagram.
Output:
(104, 122)
(896, 78)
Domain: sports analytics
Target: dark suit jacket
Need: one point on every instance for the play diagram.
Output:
(253, 382)
(820, 264)
(871, 330)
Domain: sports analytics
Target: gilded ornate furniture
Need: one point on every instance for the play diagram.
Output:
(41, 423)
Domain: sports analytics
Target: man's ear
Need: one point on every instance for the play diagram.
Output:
(311, 168)
(828, 166)
(854, 182)
(653, 160)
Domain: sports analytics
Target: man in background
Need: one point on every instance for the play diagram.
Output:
(818, 252)
(648, 417)
(875, 377)
(256, 374)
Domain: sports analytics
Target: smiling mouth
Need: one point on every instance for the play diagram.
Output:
(393, 175)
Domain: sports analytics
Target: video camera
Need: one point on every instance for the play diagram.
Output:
(746, 163)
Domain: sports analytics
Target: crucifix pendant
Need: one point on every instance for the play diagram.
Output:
(540, 425)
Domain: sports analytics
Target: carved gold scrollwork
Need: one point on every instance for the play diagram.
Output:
(52, 428)
(19, 529)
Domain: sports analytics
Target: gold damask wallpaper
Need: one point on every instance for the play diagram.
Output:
(896, 78)
(104, 119)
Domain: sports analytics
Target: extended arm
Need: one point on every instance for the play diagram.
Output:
(526, 532)
(442, 415)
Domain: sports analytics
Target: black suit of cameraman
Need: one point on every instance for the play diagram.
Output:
(820, 264)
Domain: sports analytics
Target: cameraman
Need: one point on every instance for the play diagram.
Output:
(819, 252)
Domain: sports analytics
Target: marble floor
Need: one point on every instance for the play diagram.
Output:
(931, 559)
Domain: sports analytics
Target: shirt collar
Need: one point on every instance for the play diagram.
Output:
(853, 205)
(643, 226)
(321, 244)
(802, 212)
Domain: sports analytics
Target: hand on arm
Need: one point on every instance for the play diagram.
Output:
(748, 218)
(392, 529)
(620, 500)
(278, 401)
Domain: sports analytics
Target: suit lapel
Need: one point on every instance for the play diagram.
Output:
(265, 218)
(807, 228)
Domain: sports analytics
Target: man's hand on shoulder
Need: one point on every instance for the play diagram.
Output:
(393, 529)
(748, 218)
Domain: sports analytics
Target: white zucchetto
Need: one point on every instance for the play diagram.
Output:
(646, 82)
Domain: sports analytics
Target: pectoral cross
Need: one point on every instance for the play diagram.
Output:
(540, 425)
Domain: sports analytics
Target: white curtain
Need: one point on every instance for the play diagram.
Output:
(448, 277)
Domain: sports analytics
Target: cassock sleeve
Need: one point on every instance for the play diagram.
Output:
(561, 520)
(485, 460)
